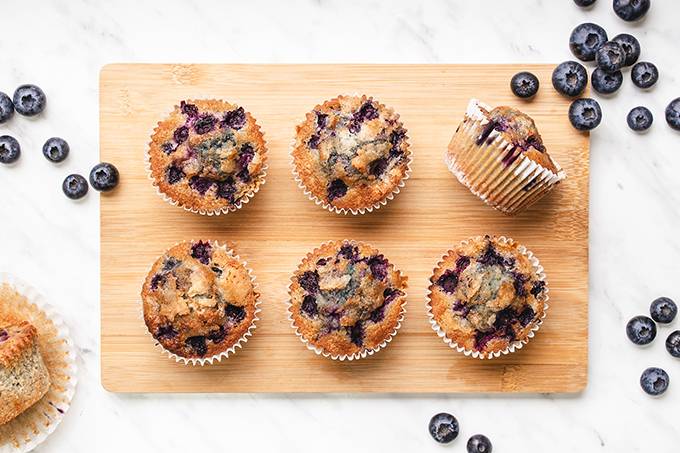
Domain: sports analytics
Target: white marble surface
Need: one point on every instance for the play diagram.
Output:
(635, 213)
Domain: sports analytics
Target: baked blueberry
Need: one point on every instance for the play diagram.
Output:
(585, 114)
(610, 57)
(584, 3)
(640, 119)
(524, 84)
(630, 45)
(443, 428)
(479, 443)
(673, 344)
(55, 149)
(631, 10)
(654, 381)
(586, 39)
(673, 114)
(641, 330)
(29, 100)
(605, 82)
(663, 310)
(6, 108)
(74, 186)
(9, 149)
(644, 74)
(104, 177)
(570, 78)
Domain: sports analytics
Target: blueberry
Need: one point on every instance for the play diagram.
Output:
(631, 10)
(235, 313)
(104, 177)
(443, 428)
(6, 108)
(29, 100)
(309, 306)
(640, 119)
(630, 45)
(585, 39)
(673, 344)
(205, 123)
(610, 57)
(356, 334)
(479, 443)
(174, 174)
(585, 114)
(606, 83)
(309, 281)
(10, 150)
(378, 266)
(654, 381)
(641, 330)
(448, 281)
(55, 149)
(583, 4)
(524, 84)
(202, 251)
(663, 310)
(336, 189)
(644, 74)
(234, 119)
(673, 114)
(570, 78)
(197, 343)
(74, 186)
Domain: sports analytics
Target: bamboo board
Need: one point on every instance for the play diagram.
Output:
(280, 225)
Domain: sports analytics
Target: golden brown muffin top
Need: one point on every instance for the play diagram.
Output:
(15, 339)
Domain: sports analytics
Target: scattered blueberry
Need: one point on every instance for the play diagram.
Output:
(479, 443)
(673, 114)
(605, 82)
(644, 74)
(570, 78)
(654, 381)
(6, 108)
(641, 330)
(631, 10)
(584, 3)
(630, 45)
(663, 310)
(104, 177)
(74, 187)
(29, 100)
(55, 149)
(610, 57)
(585, 114)
(9, 149)
(443, 428)
(585, 39)
(640, 119)
(524, 84)
(673, 344)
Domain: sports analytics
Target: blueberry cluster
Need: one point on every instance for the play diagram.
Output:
(642, 330)
(444, 428)
(30, 100)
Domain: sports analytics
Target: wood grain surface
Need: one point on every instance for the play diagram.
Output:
(281, 225)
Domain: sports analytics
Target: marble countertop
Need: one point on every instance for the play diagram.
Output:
(635, 212)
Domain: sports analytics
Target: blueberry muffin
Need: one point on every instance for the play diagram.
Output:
(346, 300)
(499, 156)
(351, 154)
(199, 300)
(487, 296)
(208, 156)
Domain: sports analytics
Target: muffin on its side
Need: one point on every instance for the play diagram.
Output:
(351, 154)
(487, 296)
(346, 300)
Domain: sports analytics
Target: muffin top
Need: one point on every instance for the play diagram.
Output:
(351, 152)
(15, 338)
(198, 300)
(487, 294)
(346, 298)
(208, 155)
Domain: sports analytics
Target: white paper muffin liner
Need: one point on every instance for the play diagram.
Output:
(512, 347)
(364, 209)
(226, 353)
(343, 357)
(259, 179)
(510, 188)
(31, 428)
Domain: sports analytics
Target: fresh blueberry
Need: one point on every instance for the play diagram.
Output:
(644, 74)
(584, 3)
(610, 57)
(74, 186)
(443, 428)
(673, 114)
(9, 149)
(630, 45)
(673, 344)
(663, 310)
(640, 119)
(631, 10)
(479, 443)
(6, 108)
(55, 149)
(585, 39)
(641, 330)
(585, 114)
(29, 100)
(104, 177)
(570, 78)
(605, 82)
(524, 84)
(654, 381)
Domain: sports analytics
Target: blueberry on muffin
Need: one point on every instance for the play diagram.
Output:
(351, 154)
(346, 299)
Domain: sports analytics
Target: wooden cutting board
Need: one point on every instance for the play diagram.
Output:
(281, 225)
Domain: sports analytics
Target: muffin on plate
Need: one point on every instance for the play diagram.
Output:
(488, 296)
(346, 300)
(498, 154)
(199, 302)
(207, 156)
(351, 154)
